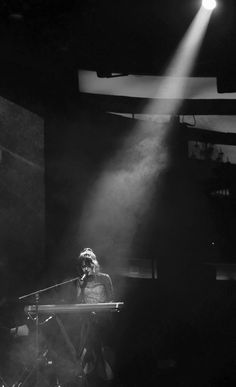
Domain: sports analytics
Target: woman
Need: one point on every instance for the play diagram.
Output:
(93, 286)
(89, 331)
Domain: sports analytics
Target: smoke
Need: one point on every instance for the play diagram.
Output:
(120, 198)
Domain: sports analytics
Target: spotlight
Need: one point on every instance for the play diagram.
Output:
(209, 4)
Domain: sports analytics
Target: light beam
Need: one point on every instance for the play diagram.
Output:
(121, 196)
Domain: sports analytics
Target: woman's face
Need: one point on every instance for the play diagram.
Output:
(88, 266)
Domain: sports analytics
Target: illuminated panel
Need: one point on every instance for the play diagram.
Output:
(138, 268)
(147, 86)
(226, 272)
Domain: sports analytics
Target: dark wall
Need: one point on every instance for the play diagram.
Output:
(22, 197)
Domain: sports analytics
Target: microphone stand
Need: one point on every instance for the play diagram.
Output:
(36, 294)
(3, 383)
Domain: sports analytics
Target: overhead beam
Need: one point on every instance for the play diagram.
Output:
(136, 105)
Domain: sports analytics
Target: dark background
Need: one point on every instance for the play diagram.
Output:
(180, 328)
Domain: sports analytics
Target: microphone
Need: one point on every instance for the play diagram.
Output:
(84, 276)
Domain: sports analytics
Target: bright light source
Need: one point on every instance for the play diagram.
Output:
(209, 4)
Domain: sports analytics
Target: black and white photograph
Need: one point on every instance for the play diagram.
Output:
(117, 193)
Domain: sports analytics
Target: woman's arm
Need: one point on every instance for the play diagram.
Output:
(109, 288)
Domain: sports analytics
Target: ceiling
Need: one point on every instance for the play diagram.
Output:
(127, 36)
